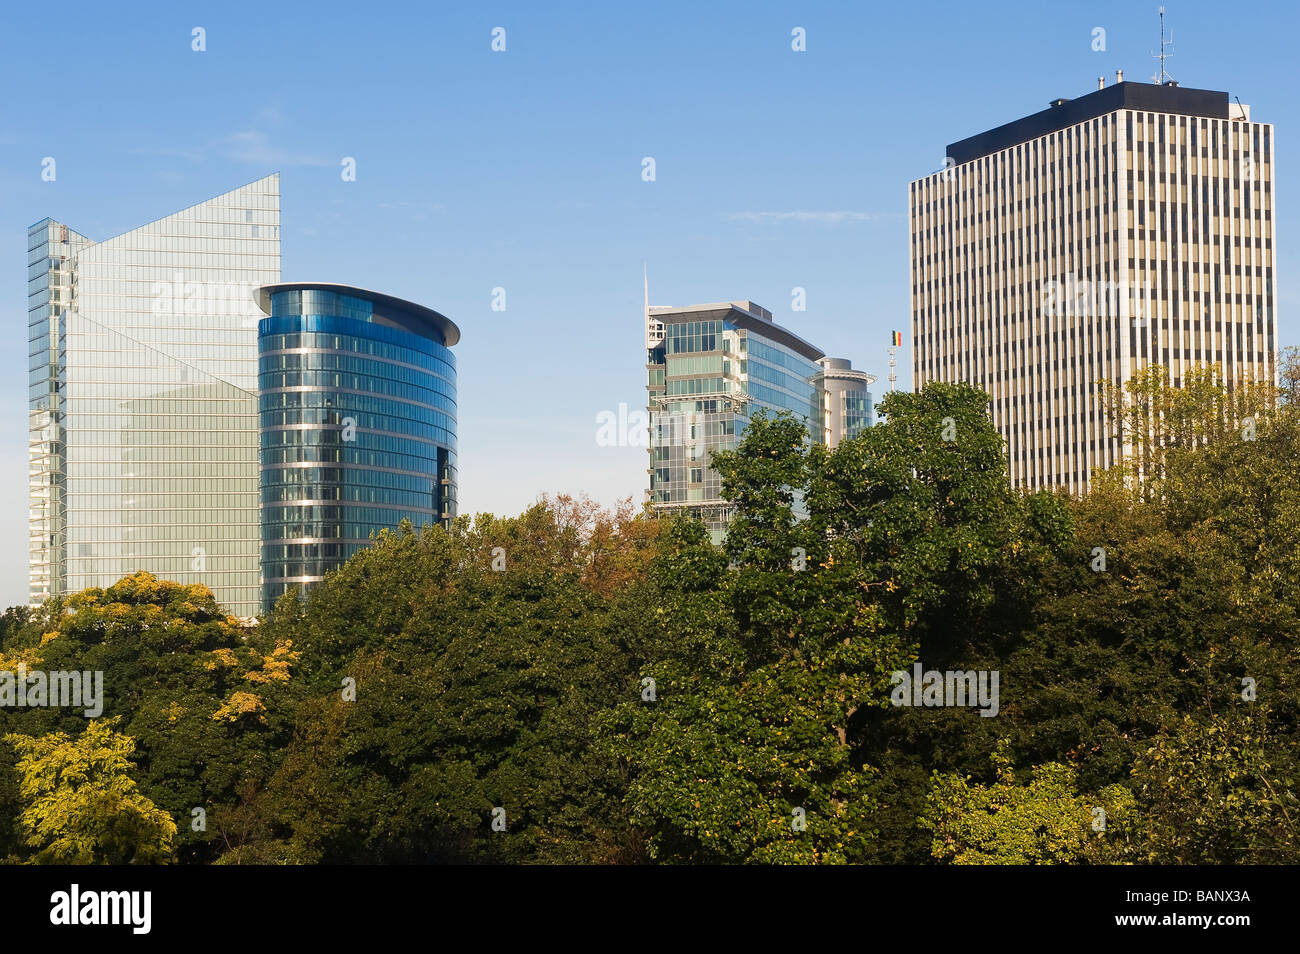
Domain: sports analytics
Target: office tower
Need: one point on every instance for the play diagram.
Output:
(846, 405)
(143, 406)
(358, 424)
(710, 368)
(1131, 226)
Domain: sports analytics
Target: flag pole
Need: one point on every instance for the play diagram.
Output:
(894, 340)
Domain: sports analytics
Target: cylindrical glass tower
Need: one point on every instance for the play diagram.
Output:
(357, 408)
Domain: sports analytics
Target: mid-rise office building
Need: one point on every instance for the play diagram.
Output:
(1129, 227)
(143, 429)
(358, 425)
(710, 368)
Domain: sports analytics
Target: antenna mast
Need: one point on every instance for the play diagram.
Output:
(1162, 77)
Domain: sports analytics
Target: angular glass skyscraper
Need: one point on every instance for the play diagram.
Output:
(358, 424)
(143, 430)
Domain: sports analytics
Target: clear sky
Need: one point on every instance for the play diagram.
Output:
(522, 170)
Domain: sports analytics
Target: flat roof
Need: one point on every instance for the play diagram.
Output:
(743, 314)
(394, 309)
(1148, 97)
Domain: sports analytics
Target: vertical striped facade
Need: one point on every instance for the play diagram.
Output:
(1081, 244)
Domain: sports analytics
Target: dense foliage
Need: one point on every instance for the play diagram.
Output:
(576, 685)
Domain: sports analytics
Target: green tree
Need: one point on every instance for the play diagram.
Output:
(481, 659)
(1044, 821)
(81, 804)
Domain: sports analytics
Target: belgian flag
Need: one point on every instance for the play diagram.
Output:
(896, 339)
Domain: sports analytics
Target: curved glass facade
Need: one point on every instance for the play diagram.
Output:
(357, 409)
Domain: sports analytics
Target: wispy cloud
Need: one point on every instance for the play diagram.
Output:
(419, 208)
(820, 218)
(255, 146)
(247, 145)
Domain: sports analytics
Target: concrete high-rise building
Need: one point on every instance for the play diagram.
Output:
(710, 368)
(358, 422)
(143, 431)
(1131, 226)
(845, 394)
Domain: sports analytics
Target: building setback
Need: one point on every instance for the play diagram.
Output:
(143, 398)
(1131, 226)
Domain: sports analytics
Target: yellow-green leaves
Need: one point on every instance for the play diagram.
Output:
(81, 804)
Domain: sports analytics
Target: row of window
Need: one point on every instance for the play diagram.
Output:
(435, 395)
(687, 386)
(324, 483)
(440, 429)
(705, 364)
(771, 398)
(315, 441)
(419, 357)
(354, 495)
(185, 467)
(780, 378)
(349, 532)
(347, 404)
(350, 454)
(327, 324)
(149, 510)
(781, 357)
(318, 301)
(207, 537)
(351, 364)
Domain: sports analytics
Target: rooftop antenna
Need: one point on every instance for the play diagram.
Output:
(1162, 77)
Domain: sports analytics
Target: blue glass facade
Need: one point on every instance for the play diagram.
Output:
(357, 414)
(856, 407)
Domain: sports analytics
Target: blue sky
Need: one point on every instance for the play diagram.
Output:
(522, 170)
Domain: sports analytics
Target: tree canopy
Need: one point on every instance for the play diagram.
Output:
(576, 684)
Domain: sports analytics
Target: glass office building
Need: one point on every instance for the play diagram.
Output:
(357, 412)
(710, 368)
(142, 398)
